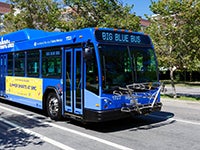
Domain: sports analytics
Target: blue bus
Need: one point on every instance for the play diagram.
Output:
(91, 74)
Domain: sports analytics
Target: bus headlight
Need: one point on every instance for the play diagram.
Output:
(106, 103)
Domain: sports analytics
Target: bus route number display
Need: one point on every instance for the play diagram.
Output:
(121, 37)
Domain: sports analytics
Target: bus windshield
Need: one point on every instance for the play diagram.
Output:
(124, 65)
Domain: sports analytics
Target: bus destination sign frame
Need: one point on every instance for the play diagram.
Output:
(122, 37)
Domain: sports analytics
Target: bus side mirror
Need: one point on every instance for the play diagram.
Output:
(87, 53)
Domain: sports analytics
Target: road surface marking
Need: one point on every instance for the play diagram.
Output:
(176, 119)
(188, 122)
(42, 137)
(117, 146)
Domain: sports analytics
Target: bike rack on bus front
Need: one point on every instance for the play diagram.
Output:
(129, 90)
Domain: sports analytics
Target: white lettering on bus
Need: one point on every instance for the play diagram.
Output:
(5, 44)
(107, 36)
(135, 39)
(48, 42)
(121, 37)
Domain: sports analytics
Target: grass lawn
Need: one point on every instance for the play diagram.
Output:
(187, 98)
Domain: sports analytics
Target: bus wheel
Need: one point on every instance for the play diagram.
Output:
(54, 107)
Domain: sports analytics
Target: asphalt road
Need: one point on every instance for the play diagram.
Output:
(176, 127)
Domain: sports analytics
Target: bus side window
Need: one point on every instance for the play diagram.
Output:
(33, 59)
(10, 64)
(19, 64)
(51, 63)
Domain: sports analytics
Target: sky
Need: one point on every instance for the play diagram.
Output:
(141, 7)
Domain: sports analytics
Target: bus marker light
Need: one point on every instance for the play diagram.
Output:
(97, 105)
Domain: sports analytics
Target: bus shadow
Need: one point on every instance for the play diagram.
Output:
(154, 120)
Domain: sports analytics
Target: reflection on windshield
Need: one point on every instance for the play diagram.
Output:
(122, 65)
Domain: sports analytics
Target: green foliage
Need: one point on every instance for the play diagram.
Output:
(100, 13)
(48, 15)
(38, 14)
(176, 33)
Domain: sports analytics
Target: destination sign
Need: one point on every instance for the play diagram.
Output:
(121, 37)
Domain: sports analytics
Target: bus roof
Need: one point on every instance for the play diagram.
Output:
(33, 39)
(26, 34)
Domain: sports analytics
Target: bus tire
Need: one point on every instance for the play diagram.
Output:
(53, 107)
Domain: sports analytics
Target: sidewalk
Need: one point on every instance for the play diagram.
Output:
(183, 90)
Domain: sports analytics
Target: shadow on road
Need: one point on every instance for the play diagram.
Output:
(154, 120)
(15, 138)
(12, 135)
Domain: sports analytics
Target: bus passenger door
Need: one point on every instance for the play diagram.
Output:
(74, 82)
(3, 69)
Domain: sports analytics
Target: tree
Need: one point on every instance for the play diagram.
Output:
(38, 14)
(100, 13)
(48, 15)
(175, 31)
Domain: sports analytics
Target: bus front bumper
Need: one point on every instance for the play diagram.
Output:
(115, 114)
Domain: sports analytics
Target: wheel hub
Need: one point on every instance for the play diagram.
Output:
(53, 106)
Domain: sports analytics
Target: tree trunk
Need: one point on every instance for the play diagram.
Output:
(172, 69)
(190, 76)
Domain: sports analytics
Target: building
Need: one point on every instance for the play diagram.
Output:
(4, 8)
(144, 24)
